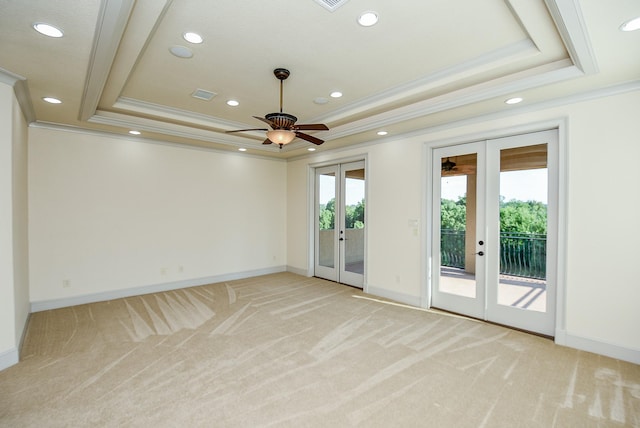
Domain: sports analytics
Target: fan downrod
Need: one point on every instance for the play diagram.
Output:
(281, 73)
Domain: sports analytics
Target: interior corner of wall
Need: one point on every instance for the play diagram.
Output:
(9, 358)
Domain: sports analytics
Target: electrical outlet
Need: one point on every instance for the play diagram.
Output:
(181, 269)
(66, 283)
(163, 271)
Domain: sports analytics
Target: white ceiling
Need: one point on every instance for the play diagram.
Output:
(425, 64)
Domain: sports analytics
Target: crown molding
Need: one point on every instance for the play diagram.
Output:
(539, 76)
(613, 90)
(147, 108)
(181, 131)
(515, 52)
(114, 135)
(569, 21)
(21, 91)
(112, 21)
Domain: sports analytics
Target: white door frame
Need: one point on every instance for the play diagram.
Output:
(339, 272)
(561, 125)
(473, 307)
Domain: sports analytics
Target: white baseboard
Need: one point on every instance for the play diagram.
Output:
(394, 295)
(9, 358)
(298, 271)
(597, 347)
(44, 305)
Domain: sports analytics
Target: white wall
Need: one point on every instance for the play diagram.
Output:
(14, 287)
(20, 221)
(602, 283)
(115, 213)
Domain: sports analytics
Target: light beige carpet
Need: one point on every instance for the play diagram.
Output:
(285, 350)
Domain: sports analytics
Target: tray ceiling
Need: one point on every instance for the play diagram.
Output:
(423, 64)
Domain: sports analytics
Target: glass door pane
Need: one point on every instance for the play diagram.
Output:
(326, 219)
(458, 243)
(340, 229)
(523, 228)
(354, 227)
(458, 225)
(522, 182)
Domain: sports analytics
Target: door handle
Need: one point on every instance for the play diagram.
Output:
(341, 239)
(480, 253)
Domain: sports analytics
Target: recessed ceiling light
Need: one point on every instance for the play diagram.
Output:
(336, 94)
(242, 149)
(47, 29)
(134, 132)
(381, 133)
(181, 51)
(514, 100)
(367, 19)
(312, 149)
(192, 37)
(321, 100)
(52, 100)
(631, 25)
(233, 103)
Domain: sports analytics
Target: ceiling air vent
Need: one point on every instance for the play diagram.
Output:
(201, 94)
(331, 5)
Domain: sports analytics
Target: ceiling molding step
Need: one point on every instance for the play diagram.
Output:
(112, 21)
(543, 105)
(142, 26)
(515, 52)
(9, 78)
(569, 20)
(100, 133)
(21, 91)
(181, 131)
(544, 75)
(144, 107)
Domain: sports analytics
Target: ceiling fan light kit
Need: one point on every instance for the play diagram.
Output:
(283, 125)
(281, 136)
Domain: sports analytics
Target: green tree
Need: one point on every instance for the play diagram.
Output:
(327, 217)
(453, 214)
(355, 215)
(515, 216)
(523, 217)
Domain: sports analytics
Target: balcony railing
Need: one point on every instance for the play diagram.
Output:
(521, 254)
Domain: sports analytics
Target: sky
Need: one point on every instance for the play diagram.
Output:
(355, 190)
(525, 185)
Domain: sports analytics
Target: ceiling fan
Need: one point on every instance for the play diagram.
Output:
(448, 166)
(283, 125)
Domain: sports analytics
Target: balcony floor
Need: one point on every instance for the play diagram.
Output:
(525, 293)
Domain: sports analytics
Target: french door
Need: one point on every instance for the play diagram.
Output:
(340, 223)
(494, 246)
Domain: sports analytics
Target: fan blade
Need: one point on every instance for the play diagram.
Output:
(312, 127)
(242, 130)
(267, 121)
(267, 141)
(309, 138)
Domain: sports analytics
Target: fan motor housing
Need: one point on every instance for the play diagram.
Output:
(281, 120)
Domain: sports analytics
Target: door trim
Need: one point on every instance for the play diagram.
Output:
(561, 124)
(311, 215)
